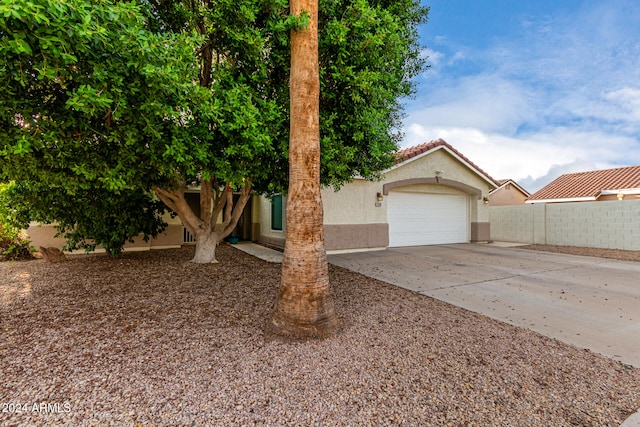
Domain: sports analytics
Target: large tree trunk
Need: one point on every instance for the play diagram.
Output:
(206, 244)
(304, 308)
(206, 229)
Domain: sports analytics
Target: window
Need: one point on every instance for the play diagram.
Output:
(276, 212)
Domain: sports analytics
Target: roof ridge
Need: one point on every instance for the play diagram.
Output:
(601, 170)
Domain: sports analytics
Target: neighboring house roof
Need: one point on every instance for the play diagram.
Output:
(413, 153)
(503, 183)
(588, 186)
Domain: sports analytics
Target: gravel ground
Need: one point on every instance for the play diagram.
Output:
(153, 340)
(597, 252)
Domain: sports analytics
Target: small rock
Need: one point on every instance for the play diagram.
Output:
(52, 254)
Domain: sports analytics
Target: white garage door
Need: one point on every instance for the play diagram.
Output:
(426, 219)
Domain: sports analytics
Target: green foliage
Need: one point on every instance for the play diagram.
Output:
(14, 246)
(87, 92)
(115, 98)
(88, 218)
(13, 242)
(369, 53)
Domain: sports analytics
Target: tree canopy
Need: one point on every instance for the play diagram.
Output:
(89, 94)
(126, 96)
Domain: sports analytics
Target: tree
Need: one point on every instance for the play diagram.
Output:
(165, 95)
(96, 101)
(239, 143)
(369, 55)
(304, 307)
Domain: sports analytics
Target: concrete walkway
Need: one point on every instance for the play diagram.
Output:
(259, 251)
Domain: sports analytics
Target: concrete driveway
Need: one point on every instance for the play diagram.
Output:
(589, 302)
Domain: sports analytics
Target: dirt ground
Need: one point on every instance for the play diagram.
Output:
(154, 340)
(596, 252)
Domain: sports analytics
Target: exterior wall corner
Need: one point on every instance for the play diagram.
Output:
(480, 231)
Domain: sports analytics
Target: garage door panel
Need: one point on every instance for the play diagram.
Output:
(426, 219)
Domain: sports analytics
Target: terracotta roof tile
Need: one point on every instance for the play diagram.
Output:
(589, 184)
(408, 153)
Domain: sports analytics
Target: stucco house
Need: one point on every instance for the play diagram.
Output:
(509, 193)
(433, 195)
(599, 185)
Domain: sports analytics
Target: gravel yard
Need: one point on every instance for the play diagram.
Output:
(154, 340)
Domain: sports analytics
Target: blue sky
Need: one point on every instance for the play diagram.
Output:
(531, 89)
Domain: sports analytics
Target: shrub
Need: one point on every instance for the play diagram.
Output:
(14, 244)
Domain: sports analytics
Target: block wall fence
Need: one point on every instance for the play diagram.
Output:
(611, 224)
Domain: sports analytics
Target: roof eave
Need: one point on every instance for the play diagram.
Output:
(625, 191)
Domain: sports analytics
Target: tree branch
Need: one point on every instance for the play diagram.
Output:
(206, 195)
(228, 226)
(176, 201)
(228, 207)
(220, 203)
(166, 198)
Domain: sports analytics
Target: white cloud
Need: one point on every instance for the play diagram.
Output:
(561, 98)
(433, 57)
(628, 101)
(535, 158)
(457, 57)
(487, 102)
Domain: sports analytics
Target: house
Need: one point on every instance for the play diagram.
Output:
(599, 185)
(507, 194)
(432, 195)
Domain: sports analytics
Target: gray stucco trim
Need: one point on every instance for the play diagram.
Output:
(355, 236)
(480, 231)
(344, 236)
(435, 180)
(277, 242)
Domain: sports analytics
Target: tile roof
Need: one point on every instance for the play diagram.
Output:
(589, 184)
(408, 153)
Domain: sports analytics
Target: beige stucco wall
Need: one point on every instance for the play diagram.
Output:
(44, 235)
(354, 218)
(355, 203)
(613, 224)
(262, 231)
(507, 197)
(452, 170)
(428, 165)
